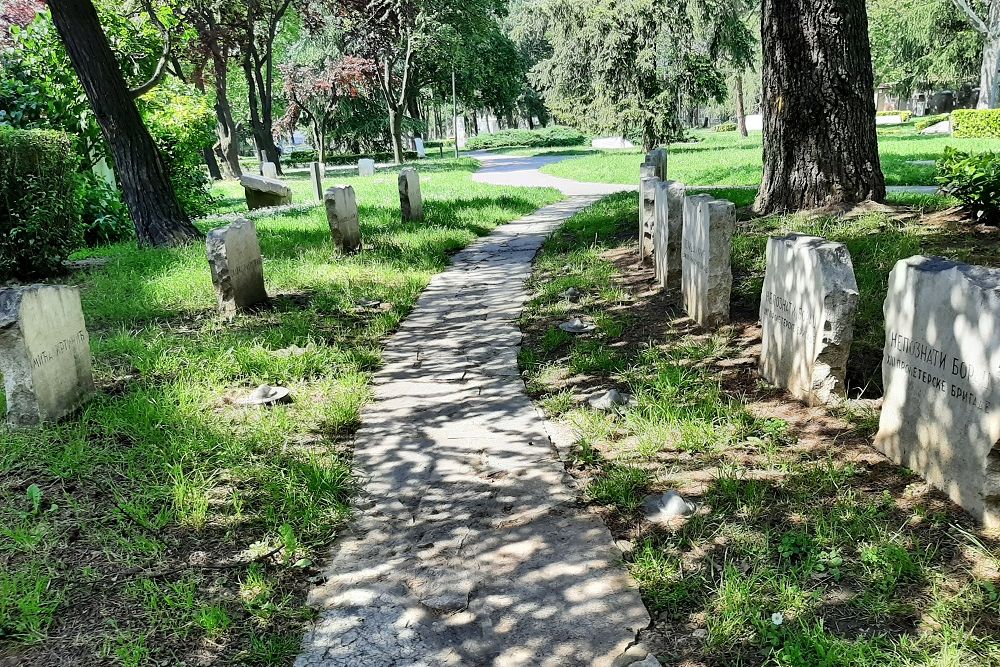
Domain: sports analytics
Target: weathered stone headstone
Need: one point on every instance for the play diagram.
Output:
(668, 229)
(44, 353)
(647, 183)
(706, 270)
(366, 167)
(342, 216)
(268, 170)
(807, 312)
(264, 192)
(418, 146)
(316, 172)
(410, 202)
(237, 267)
(941, 379)
(658, 159)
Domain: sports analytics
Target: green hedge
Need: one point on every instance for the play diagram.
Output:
(976, 123)
(545, 137)
(927, 121)
(305, 157)
(40, 202)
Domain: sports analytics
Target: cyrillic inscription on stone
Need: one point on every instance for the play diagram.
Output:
(941, 379)
(706, 272)
(44, 353)
(807, 310)
(237, 266)
(342, 216)
(410, 201)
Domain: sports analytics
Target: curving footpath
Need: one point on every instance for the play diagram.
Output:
(470, 548)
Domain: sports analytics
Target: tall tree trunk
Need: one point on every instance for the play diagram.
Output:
(396, 131)
(225, 126)
(414, 107)
(261, 120)
(143, 175)
(212, 164)
(989, 28)
(741, 111)
(820, 146)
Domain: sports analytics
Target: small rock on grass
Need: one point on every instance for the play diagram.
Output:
(572, 294)
(664, 509)
(609, 400)
(576, 325)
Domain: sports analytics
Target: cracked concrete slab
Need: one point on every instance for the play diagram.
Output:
(469, 547)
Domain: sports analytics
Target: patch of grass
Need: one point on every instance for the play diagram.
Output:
(620, 486)
(163, 519)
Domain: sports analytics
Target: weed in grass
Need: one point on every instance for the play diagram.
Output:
(620, 486)
(28, 600)
(558, 403)
(664, 586)
(213, 619)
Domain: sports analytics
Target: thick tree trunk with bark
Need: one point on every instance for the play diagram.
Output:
(212, 164)
(820, 146)
(741, 111)
(146, 187)
(225, 126)
(989, 27)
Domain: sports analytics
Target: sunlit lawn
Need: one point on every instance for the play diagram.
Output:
(165, 525)
(726, 158)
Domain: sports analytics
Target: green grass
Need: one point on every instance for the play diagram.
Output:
(726, 158)
(803, 552)
(163, 523)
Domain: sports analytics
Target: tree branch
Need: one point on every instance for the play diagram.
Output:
(974, 18)
(161, 65)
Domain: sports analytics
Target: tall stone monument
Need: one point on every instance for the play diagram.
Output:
(941, 378)
(647, 220)
(706, 259)
(237, 267)
(807, 310)
(668, 230)
(317, 170)
(410, 201)
(44, 353)
(342, 216)
(366, 167)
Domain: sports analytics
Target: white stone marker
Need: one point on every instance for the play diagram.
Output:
(44, 353)
(237, 267)
(706, 271)
(668, 230)
(265, 192)
(410, 201)
(807, 312)
(658, 158)
(342, 216)
(366, 167)
(268, 170)
(647, 183)
(316, 173)
(418, 145)
(941, 378)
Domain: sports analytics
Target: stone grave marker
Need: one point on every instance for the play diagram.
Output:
(658, 158)
(366, 167)
(44, 353)
(342, 216)
(418, 146)
(410, 201)
(941, 379)
(237, 267)
(807, 312)
(316, 173)
(647, 183)
(668, 230)
(268, 170)
(264, 192)
(706, 271)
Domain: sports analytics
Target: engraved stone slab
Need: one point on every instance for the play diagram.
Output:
(44, 353)
(366, 167)
(706, 271)
(342, 216)
(410, 201)
(237, 267)
(807, 312)
(941, 377)
(317, 170)
(668, 229)
(264, 192)
(268, 170)
(647, 184)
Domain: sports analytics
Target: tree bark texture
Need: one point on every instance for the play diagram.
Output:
(145, 181)
(741, 111)
(225, 126)
(820, 146)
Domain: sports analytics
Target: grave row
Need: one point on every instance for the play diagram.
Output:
(44, 346)
(940, 413)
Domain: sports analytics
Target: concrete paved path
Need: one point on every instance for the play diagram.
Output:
(470, 548)
(499, 169)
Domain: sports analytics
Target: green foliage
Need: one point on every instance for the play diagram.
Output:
(105, 217)
(182, 123)
(620, 485)
(728, 126)
(305, 157)
(976, 123)
(927, 121)
(39, 202)
(904, 114)
(541, 138)
(974, 179)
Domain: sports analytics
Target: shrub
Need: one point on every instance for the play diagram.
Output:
(728, 126)
(541, 138)
(39, 202)
(905, 115)
(105, 217)
(927, 121)
(974, 179)
(976, 123)
(305, 157)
